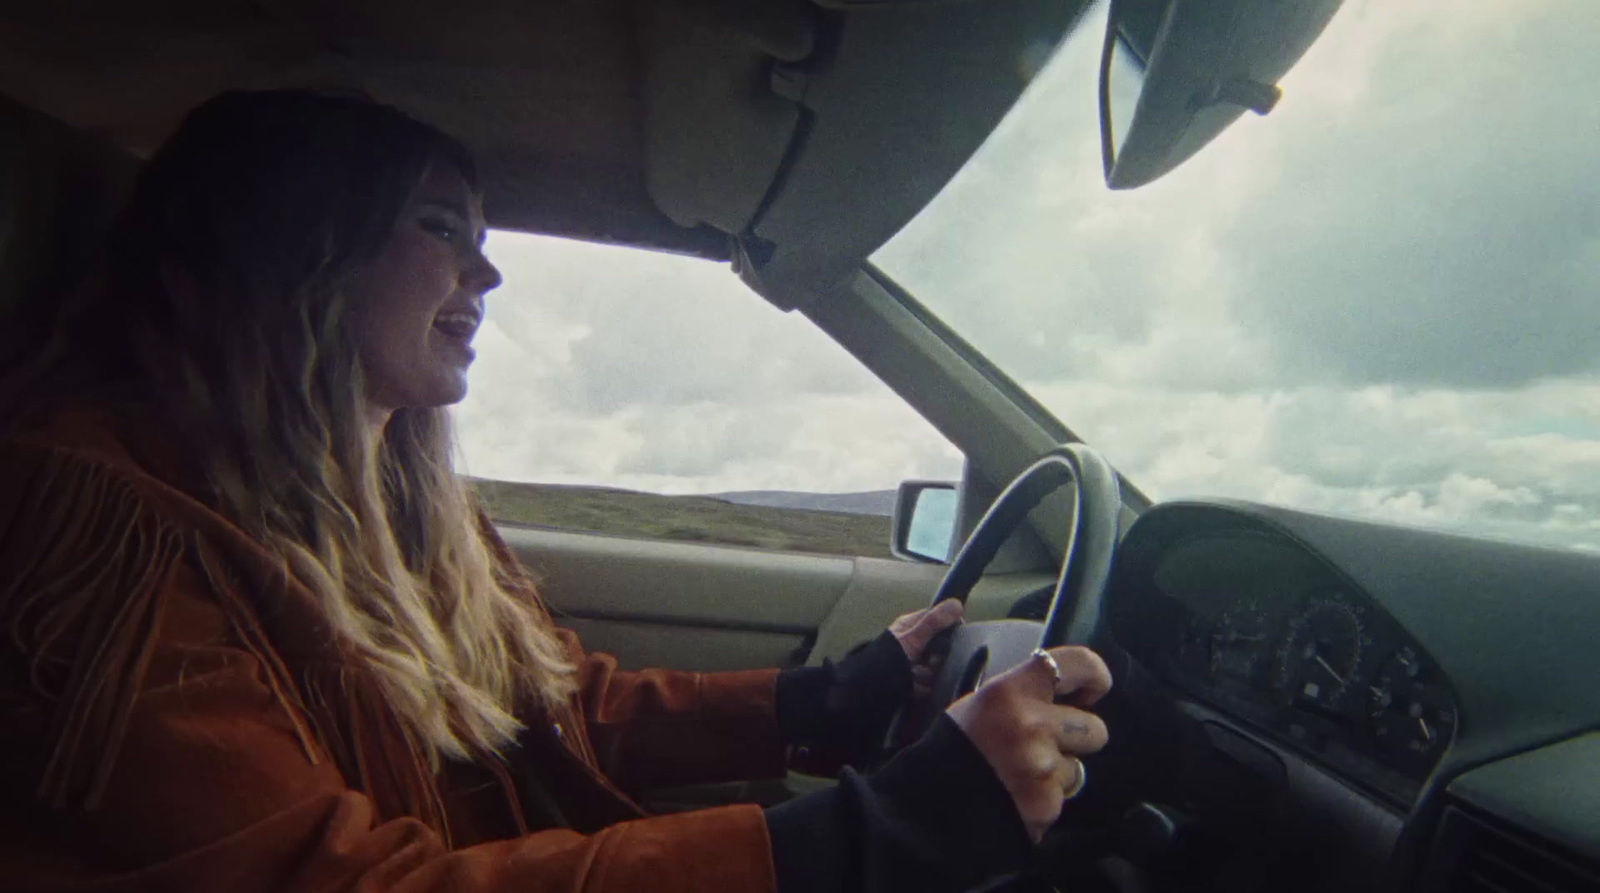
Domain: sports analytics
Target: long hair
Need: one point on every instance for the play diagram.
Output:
(226, 297)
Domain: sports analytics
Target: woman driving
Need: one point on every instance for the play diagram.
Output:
(258, 636)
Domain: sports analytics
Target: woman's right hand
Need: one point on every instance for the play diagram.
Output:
(1033, 743)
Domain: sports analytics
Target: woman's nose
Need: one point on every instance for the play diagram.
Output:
(479, 275)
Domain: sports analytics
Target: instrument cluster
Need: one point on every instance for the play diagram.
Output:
(1263, 630)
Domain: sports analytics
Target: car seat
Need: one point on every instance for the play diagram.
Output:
(59, 189)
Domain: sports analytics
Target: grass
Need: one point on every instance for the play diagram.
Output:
(699, 519)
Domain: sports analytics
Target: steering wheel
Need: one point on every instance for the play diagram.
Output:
(975, 649)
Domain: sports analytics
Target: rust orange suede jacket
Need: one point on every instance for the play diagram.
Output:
(173, 716)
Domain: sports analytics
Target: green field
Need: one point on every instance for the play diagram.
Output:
(698, 519)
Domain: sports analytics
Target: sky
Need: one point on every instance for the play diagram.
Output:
(616, 367)
(1381, 299)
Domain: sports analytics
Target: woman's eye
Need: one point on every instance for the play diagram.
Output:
(444, 229)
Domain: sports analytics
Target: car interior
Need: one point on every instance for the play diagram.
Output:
(1302, 702)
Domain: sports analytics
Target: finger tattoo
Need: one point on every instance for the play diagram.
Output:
(1075, 727)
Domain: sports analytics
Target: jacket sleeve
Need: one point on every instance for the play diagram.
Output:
(212, 790)
(838, 714)
(145, 747)
(653, 728)
(935, 819)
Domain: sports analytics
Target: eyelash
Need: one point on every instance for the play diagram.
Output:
(444, 229)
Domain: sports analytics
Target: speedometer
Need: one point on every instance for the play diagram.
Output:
(1321, 655)
(1240, 644)
(1411, 713)
(1255, 630)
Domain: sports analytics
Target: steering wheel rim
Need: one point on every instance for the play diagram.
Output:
(1075, 616)
(1091, 543)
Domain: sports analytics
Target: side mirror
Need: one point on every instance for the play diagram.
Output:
(925, 515)
(1175, 73)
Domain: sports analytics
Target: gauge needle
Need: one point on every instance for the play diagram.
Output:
(1427, 732)
(1326, 666)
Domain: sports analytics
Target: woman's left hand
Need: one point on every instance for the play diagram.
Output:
(914, 631)
(840, 712)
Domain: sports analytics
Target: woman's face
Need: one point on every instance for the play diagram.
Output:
(424, 299)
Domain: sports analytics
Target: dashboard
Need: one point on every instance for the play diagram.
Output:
(1259, 627)
(1372, 706)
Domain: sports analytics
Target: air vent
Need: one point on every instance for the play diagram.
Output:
(1488, 858)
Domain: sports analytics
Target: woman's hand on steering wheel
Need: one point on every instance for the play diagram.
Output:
(915, 631)
(1032, 742)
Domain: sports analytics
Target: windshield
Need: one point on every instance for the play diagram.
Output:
(1380, 299)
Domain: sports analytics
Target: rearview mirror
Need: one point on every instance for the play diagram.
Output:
(1175, 73)
(924, 521)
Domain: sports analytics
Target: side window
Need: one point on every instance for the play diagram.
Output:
(641, 394)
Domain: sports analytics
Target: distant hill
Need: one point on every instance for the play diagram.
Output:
(702, 519)
(871, 502)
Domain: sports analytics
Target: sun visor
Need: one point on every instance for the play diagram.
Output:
(715, 131)
(905, 96)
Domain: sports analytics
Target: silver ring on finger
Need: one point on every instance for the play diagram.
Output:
(1079, 782)
(1049, 661)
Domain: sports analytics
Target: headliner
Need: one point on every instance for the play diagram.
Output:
(811, 134)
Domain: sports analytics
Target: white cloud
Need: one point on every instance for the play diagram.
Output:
(1379, 300)
(1453, 459)
(601, 365)
(642, 329)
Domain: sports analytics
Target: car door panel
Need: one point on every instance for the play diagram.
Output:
(639, 645)
(682, 605)
(693, 606)
(882, 589)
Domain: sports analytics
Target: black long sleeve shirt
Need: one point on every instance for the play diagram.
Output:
(933, 818)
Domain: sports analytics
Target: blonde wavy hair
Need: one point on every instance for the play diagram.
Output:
(227, 294)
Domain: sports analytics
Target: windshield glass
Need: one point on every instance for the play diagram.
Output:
(1380, 299)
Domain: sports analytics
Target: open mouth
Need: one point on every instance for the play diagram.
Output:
(459, 325)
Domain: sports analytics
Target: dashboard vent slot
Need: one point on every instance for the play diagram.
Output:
(1490, 859)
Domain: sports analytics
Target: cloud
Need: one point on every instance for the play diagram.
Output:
(603, 365)
(643, 329)
(1379, 300)
(1449, 459)
(1441, 225)
(1404, 215)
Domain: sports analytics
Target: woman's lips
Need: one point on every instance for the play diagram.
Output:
(458, 330)
(457, 327)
